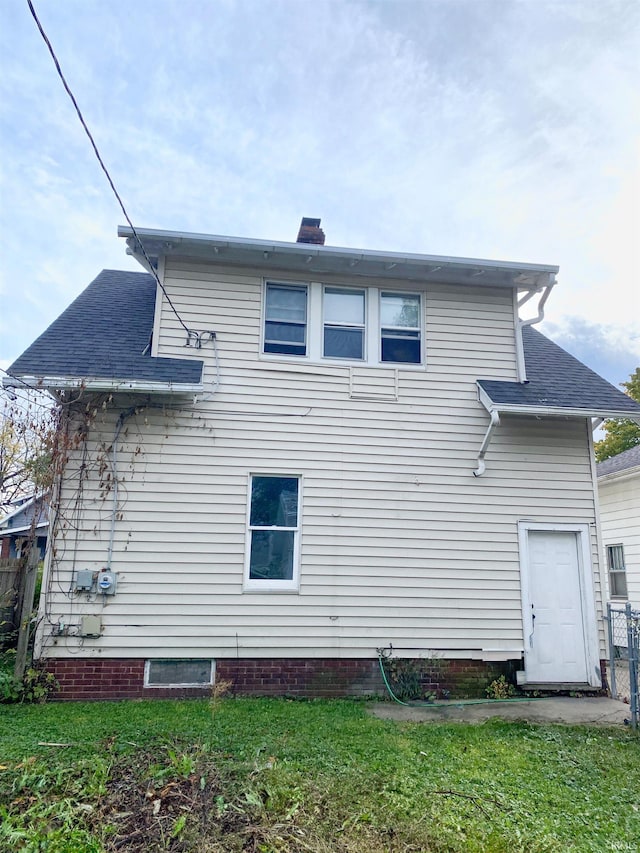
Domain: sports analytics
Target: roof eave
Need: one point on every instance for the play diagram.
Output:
(622, 474)
(11, 531)
(307, 257)
(549, 411)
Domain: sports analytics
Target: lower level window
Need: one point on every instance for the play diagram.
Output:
(178, 673)
(617, 571)
(272, 558)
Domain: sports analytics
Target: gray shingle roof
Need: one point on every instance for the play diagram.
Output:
(627, 459)
(557, 380)
(103, 334)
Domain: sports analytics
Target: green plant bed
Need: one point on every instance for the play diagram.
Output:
(283, 776)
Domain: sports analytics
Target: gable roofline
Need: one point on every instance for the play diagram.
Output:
(41, 498)
(308, 259)
(24, 505)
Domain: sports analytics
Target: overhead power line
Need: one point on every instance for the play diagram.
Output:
(102, 165)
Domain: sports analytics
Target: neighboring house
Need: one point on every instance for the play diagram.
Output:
(29, 517)
(310, 454)
(619, 494)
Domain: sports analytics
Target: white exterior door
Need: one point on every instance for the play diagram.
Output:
(554, 617)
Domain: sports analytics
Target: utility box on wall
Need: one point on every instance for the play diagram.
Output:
(85, 580)
(90, 626)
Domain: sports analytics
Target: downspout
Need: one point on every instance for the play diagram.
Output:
(520, 362)
(493, 423)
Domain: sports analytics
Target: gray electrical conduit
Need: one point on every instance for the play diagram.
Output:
(455, 701)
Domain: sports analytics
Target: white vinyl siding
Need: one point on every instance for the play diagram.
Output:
(619, 499)
(399, 543)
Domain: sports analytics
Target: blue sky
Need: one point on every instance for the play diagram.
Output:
(501, 129)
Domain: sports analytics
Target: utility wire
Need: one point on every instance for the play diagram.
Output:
(102, 165)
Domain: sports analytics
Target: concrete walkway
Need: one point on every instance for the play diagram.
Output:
(598, 711)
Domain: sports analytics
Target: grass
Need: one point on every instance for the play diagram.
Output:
(276, 776)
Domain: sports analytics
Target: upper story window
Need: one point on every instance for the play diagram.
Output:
(617, 571)
(400, 328)
(344, 324)
(285, 326)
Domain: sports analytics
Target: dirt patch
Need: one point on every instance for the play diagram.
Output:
(141, 813)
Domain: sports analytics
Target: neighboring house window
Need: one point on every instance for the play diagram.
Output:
(285, 328)
(274, 508)
(617, 572)
(400, 328)
(344, 323)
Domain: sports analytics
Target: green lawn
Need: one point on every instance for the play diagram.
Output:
(276, 775)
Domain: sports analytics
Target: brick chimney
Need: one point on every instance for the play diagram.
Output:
(310, 232)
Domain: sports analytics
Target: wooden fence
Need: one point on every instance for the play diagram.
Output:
(9, 581)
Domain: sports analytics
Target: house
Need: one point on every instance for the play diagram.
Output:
(29, 517)
(619, 496)
(280, 460)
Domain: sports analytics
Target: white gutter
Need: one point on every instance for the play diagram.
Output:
(172, 242)
(565, 411)
(63, 382)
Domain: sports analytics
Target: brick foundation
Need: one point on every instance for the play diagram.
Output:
(117, 678)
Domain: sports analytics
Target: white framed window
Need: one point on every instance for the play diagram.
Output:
(400, 328)
(285, 323)
(272, 559)
(343, 325)
(178, 673)
(617, 571)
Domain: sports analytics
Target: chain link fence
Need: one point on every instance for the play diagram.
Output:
(624, 657)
